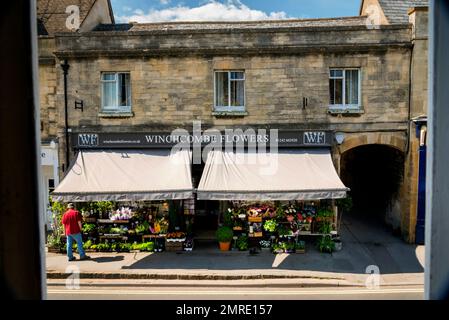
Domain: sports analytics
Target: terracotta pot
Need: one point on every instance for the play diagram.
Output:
(224, 246)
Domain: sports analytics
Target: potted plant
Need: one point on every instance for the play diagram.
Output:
(224, 237)
(326, 244)
(242, 243)
(265, 244)
(277, 248)
(289, 247)
(270, 225)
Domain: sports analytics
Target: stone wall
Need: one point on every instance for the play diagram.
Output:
(173, 91)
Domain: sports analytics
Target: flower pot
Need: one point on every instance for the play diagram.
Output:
(224, 246)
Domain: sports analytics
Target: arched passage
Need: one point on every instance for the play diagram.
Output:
(374, 174)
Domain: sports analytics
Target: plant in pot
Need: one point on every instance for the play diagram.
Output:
(242, 243)
(265, 244)
(326, 244)
(289, 247)
(277, 248)
(224, 237)
(270, 226)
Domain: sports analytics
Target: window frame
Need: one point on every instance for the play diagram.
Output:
(118, 108)
(344, 105)
(230, 107)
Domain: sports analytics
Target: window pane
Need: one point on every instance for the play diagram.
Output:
(352, 86)
(124, 90)
(221, 89)
(237, 93)
(237, 75)
(336, 91)
(108, 76)
(109, 94)
(336, 73)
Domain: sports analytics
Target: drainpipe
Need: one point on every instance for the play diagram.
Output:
(65, 68)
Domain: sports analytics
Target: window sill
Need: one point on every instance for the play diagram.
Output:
(229, 114)
(347, 111)
(116, 114)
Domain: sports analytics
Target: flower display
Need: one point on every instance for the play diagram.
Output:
(121, 214)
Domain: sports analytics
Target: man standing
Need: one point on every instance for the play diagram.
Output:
(72, 226)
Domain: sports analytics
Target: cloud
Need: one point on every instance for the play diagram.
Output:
(213, 10)
(127, 9)
(164, 2)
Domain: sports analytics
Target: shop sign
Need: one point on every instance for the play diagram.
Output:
(283, 139)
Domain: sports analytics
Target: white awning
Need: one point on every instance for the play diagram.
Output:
(300, 174)
(127, 175)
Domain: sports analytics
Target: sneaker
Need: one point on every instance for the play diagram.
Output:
(72, 259)
(84, 258)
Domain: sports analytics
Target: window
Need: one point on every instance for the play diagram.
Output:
(116, 92)
(344, 86)
(230, 91)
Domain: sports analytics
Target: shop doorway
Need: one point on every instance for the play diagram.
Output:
(374, 174)
(207, 213)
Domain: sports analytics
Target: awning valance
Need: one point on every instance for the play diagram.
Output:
(300, 174)
(127, 175)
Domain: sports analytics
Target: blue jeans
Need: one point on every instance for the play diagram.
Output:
(79, 242)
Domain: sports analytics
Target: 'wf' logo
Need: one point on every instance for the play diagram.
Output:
(314, 137)
(88, 140)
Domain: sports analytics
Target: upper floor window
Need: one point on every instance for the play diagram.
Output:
(229, 90)
(344, 85)
(116, 92)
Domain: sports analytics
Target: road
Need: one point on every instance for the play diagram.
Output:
(185, 292)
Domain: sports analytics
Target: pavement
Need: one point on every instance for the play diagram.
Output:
(366, 244)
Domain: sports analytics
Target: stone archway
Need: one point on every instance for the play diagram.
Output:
(374, 173)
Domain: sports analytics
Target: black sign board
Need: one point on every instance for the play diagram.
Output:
(284, 139)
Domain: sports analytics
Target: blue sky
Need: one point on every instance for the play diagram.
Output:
(182, 10)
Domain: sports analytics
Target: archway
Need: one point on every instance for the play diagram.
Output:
(374, 174)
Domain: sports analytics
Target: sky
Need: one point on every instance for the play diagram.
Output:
(230, 10)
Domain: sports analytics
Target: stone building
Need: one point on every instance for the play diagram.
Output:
(52, 18)
(362, 78)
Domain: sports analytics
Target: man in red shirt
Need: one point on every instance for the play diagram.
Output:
(72, 221)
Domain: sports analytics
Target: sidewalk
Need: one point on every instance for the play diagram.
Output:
(363, 245)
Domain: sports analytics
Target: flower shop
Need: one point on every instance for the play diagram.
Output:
(144, 199)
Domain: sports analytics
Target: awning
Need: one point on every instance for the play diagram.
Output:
(300, 174)
(127, 175)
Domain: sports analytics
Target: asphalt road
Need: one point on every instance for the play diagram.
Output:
(238, 293)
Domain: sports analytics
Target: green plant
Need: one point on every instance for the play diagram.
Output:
(103, 247)
(300, 245)
(325, 228)
(242, 243)
(228, 218)
(280, 213)
(288, 246)
(325, 244)
(345, 204)
(142, 227)
(89, 227)
(270, 225)
(224, 234)
(103, 206)
(147, 246)
(325, 213)
(284, 231)
(87, 244)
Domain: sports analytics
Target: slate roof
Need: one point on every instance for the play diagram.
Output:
(240, 25)
(396, 11)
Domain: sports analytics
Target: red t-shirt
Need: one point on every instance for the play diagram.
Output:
(70, 221)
